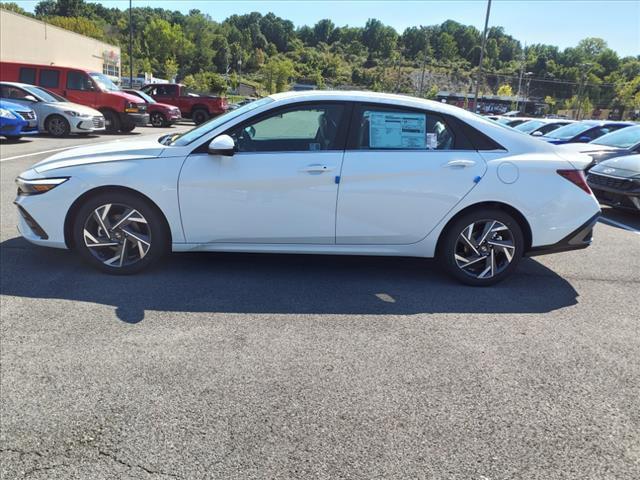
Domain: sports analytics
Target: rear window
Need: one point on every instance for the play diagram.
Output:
(49, 78)
(28, 75)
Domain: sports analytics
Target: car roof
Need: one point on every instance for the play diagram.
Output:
(18, 84)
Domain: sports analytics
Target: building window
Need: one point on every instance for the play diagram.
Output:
(111, 69)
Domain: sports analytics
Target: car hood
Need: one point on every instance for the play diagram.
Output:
(113, 151)
(627, 166)
(66, 106)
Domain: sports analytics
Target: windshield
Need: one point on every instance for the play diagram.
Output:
(104, 82)
(201, 130)
(569, 131)
(45, 95)
(623, 138)
(530, 126)
(142, 95)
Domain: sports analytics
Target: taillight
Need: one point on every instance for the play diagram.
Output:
(576, 177)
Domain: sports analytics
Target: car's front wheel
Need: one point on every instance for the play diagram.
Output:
(120, 232)
(157, 119)
(482, 247)
(57, 126)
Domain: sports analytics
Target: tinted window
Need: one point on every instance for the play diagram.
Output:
(10, 92)
(28, 75)
(549, 128)
(49, 78)
(302, 128)
(168, 90)
(78, 81)
(397, 129)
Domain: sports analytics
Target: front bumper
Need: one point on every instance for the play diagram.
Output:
(617, 192)
(578, 239)
(91, 124)
(138, 119)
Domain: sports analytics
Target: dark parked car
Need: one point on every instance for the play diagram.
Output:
(583, 132)
(625, 141)
(616, 182)
(160, 114)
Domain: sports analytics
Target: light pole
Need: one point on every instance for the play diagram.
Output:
(239, 69)
(484, 41)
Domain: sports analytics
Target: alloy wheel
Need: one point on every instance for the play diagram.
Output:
(117, 235)
(484, 249)
(157, 120)
(57, 127)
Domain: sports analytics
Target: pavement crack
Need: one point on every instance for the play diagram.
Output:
(21, 452)
(135, 465)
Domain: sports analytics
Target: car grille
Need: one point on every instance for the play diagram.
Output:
(611, 182)
(98, 122)
(30, 115)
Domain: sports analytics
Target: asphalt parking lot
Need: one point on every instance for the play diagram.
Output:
(231, 366)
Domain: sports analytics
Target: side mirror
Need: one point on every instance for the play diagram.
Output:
(537, 133)
(30, 98)
(222, 145)
(584, 139)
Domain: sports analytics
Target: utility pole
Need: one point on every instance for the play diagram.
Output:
(582, 87)
(522, 62)
(424, 64)
(130, 47)
(484, 41)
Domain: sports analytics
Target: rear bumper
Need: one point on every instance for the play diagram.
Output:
(578, 239)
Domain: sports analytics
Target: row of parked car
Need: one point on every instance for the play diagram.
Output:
(61, 101)
(614, 174)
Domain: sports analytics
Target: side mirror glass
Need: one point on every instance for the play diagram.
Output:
(222, 145)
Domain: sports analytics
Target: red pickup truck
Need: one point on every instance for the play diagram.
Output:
(199, 108)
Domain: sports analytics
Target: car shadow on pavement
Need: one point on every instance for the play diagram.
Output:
(283, 284)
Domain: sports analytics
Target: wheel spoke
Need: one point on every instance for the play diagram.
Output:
(468, 240)
(487, 229)
(100, 221)
(123, 219)
(123, 251)
(469, 262)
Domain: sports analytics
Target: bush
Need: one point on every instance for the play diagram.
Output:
(206, 82)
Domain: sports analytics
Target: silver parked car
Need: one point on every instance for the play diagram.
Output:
(56, 115)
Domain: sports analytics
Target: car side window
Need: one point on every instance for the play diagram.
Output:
(27, 75)
(302, 128)
(390, 128)
(10, 92)
(49, 78)
(167, 90)
(78, 81)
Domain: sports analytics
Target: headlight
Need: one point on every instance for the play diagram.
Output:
(131, 107)
(38, 186)
(6, 113)
(76, 114)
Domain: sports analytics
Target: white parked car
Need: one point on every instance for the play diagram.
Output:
(56, 115)
(317, 172)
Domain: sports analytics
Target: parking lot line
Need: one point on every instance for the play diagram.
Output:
(37, 153)
(619, 225)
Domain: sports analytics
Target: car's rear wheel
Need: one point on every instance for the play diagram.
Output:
(120, 233)
(157, 119)
(200, 115)
(482, 247)
(57, 126)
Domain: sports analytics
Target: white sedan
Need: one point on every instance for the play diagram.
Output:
(317, 172)
(56, 115)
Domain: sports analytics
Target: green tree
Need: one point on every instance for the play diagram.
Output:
(505, 90)
(14, 7)
(170, 68)
(276, 74)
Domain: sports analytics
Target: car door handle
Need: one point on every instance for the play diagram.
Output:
(316, 169)
(460, 163)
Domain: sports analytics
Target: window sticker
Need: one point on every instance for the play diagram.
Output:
(397, 130)
(432, 141)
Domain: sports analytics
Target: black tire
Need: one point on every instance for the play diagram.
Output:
(13, 138)
(476, 256)
(57, 126)
(127, 128)
(158, 120)
(199, 115)
(111, 121)
(153, 231)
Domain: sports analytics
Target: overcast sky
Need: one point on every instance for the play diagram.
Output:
(557, 22)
